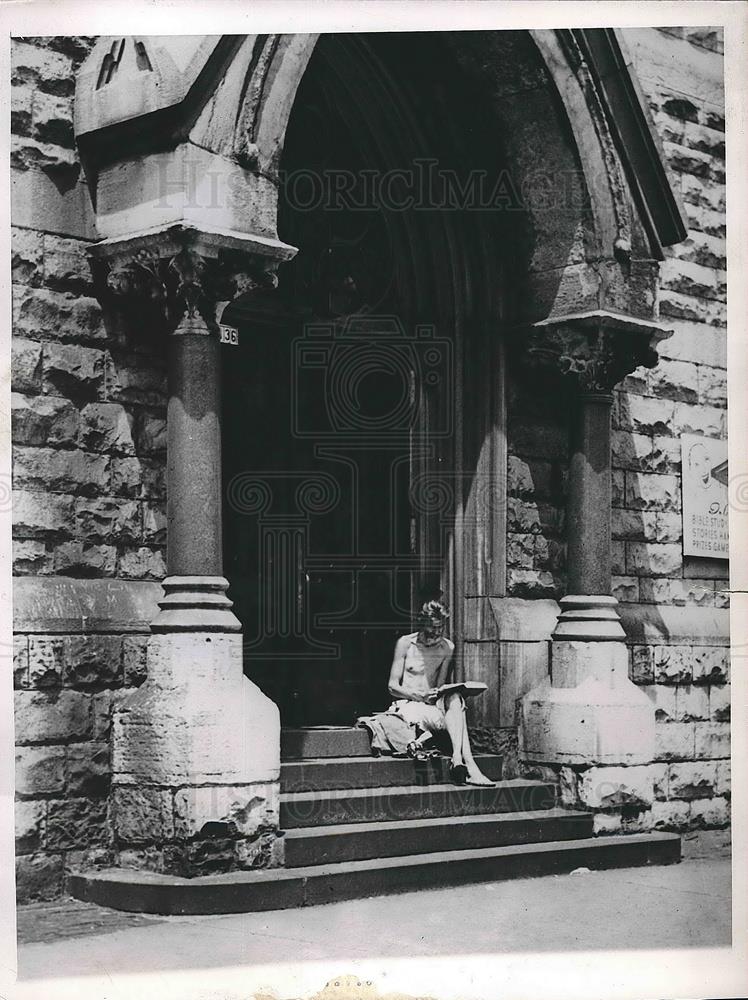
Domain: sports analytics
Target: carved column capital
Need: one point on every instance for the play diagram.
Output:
(179, 273)
(592, 351)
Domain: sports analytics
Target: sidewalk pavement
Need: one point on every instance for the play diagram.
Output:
(677, 906)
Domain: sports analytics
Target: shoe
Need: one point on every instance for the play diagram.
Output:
(458, 774)
(415, 752)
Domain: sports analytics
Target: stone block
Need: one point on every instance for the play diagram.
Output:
(674, 305)
(45, 716)
(723, 783)
(133, 383)
(675, 741)
(524, 517)
(625, 588)
(134, 659)
(650, 491)
(664, 699)
(61, 315)
(634, 525)
(668, 527)
(660, 780)
(29, 826)
(642, 414)
(677, 380)
(21, 100)
(530, 583)
(26, 256)
(142, 564)
(93, 661)
(713, 386)
(20, 661)
(66, 264)
(144, 859)
(60, 471)
(605, 824)
(520, 552)
(692, 703)
(40, 770)
(712, 740)
(708, 813)
(613, 787)
(618, 488)
(142, 814)
(46, 660)
(673, 664)
(38, 877)
(719, 702)
(127, 477)
(678, 592)
(711, 421)
(80, 559)
(721, 597)
(72, 371)
(151, 434)
(618, 558)
(107, 427)
(49, 71)
(696, 341)
(653, 558)
(244, 809)
(711, 664)
(88, 770)
(670, 815)
(25, 365)
(642, 664)
(107, 519)
(30, 558)
(630, 451)
(693, 779)
(43, 420)
(75, 823)
(154, 523)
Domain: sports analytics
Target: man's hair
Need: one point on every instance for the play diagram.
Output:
(432, 613)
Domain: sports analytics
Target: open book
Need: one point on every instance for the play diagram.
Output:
(468, 689)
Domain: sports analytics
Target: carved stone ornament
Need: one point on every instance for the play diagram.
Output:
(593, 352)
(160, 278)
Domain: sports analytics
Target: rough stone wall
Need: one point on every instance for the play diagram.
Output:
(680, 71)
(88, 431)
(683, 668)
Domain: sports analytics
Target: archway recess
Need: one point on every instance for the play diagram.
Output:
(182, 143)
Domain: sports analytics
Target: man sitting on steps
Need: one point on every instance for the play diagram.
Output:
(420, 666)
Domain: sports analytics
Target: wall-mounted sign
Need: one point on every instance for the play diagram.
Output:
(704, 463)
(229, 334)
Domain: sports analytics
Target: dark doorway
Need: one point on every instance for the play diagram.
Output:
(342, 402)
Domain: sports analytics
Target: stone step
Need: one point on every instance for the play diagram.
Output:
(324, 741)
(358, 841)
(371, 772)
(407, 802)
(281, 888)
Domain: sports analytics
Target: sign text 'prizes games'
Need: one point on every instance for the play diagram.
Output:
(705, 500)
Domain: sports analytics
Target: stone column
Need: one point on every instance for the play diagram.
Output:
(588, 712)
(195, 751)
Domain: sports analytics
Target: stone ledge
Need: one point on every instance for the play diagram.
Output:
(663, 624)
(70, 605)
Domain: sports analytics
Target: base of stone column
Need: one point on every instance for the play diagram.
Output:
(196, 749)
(588, 711)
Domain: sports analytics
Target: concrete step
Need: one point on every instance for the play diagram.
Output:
(324, 741)
(278, 889)
(408, 802)
(371, 772)
(358, 841)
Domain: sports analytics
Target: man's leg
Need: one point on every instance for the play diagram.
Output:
(458, 733)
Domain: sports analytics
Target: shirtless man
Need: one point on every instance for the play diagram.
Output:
(420, 666)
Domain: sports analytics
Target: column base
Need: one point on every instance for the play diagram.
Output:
(196, 751)
(588, 711)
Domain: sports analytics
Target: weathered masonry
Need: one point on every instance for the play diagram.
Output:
(307, 328)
